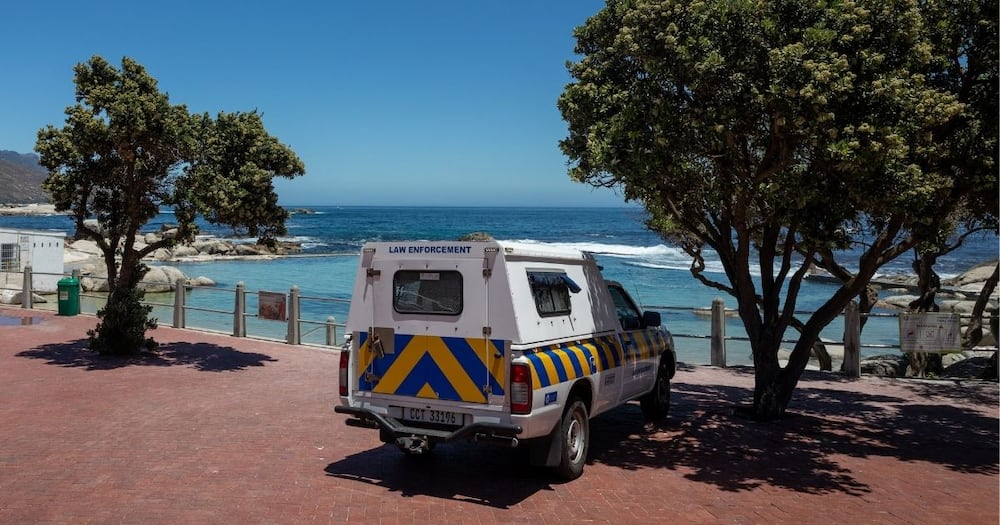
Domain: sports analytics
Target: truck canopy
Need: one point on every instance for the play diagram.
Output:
(480, 289)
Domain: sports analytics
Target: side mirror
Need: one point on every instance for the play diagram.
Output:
(651, 319)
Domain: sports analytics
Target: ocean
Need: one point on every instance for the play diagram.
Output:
(655, 273)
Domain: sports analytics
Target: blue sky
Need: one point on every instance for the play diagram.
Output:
(433, 102)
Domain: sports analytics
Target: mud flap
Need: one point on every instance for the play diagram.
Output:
(546, 451)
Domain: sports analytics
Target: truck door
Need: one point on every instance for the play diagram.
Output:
(429, 333)
(638, 363)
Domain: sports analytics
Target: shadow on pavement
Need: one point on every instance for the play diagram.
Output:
(704, 441)
(205, 357)
(480, 474)
(707, 443)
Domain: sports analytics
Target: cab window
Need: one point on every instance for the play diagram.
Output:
(427, 292)
(551, 292)
(628, 313)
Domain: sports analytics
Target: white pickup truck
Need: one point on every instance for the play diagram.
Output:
(511, 343)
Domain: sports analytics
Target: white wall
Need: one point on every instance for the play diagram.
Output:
(43, 250)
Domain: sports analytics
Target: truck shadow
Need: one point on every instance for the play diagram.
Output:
(484, 475)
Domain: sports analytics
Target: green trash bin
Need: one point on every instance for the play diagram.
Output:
(69, 296)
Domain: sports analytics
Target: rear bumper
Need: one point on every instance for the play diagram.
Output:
(396, 429)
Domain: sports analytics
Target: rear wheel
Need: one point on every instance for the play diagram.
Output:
(656, 404)
(574, 431)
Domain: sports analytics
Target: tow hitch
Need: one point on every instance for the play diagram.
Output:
(414, 445)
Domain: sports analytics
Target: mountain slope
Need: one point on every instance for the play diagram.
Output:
(21, 178)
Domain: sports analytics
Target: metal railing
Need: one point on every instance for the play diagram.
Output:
(320, 329)
(290, 312)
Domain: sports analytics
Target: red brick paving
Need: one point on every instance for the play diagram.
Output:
(219, 429)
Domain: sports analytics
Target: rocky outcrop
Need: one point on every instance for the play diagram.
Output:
(14, 297)
(965, 365)
(84, 255)
(205, 248)
(158, 279)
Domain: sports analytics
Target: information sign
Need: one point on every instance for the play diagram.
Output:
(271, 305)
(931, 332)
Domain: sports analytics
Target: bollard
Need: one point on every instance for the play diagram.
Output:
(331, 331)
(26, 297)
(293, 317)
(239, 321)
(852, 340)
(78, 275)
(179, 319)
(718, 333)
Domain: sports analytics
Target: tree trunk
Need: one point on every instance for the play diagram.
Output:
(124, 320)
(974, 331)
(922, 364)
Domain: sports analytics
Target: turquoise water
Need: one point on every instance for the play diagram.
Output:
(655, 273)
(325, 285)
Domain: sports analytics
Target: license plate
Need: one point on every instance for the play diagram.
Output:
(429, 415)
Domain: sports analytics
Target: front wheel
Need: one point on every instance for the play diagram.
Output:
(656, 404)
(574, 431)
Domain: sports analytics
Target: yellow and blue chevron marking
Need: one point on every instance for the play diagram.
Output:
(557, 363)
(649, 343)
(449, 368)
(568, 361)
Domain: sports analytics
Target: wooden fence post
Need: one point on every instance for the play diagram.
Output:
(293, 317)
(331, 331)
(179, 320)
(718, 333)
(26, 297)
(239, 321)
(852, 340)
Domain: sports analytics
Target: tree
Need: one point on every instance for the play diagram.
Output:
(776, 134)
(125, 153)
(964, 39)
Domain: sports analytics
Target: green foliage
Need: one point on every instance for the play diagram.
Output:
(785, 131)
(125, 152)
(123, 323)
(231, 178)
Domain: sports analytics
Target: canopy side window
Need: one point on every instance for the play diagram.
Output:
(551, 292)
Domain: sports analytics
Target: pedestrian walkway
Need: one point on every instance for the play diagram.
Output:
(217, 429)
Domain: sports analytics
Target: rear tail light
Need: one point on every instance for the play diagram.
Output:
(520, 389)
(344, 360)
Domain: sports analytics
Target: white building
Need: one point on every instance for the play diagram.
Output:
(42, 250)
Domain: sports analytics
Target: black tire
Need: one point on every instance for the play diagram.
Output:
(574, 431)
(656, 404)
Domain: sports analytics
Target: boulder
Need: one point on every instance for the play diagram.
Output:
(184, 251)
(96, 226)
(161, 254)
(888, 365)
(96, 280)
(86, 246)
(14, 297)
(213, 247)
(201, 281)
(966, 364)
(898, 301)
(161, 279)
(959, 307)
(248, 250)
(977, 274)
